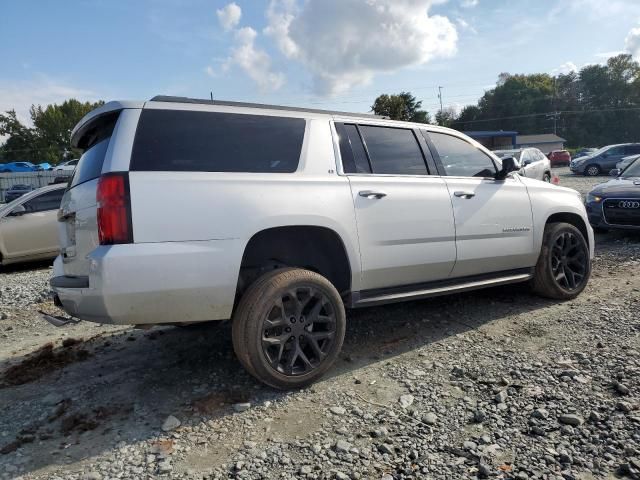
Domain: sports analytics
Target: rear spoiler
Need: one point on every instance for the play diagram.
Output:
(85, 123)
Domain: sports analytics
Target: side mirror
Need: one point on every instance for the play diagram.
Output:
(615, 172)
(18, 211)
(509, 165)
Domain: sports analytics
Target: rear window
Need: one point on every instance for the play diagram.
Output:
(95, 142)
(174, 140)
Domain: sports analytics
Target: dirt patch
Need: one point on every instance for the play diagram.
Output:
(44, 360)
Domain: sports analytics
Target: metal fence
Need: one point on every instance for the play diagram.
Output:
(34, 179)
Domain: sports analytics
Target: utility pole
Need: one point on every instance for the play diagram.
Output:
(440, 97)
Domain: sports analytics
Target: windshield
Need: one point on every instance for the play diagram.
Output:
(632, 170)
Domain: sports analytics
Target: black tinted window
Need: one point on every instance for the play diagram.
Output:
(172, 140)
(460, 158)
(393, 151)
(354, 157)
(44, 202)
(90, 164)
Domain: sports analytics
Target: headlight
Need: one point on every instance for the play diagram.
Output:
(591, 198)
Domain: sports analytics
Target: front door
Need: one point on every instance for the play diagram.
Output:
(403, 214)
(493, 218)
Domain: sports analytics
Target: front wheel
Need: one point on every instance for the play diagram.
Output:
(564, 265)
(289, 327)
(546, 178)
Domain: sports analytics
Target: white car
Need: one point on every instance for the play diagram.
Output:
(533, 163)
(286, 216)
(69, 166)
(626, 161)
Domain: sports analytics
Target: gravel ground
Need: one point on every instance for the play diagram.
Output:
(491, 384)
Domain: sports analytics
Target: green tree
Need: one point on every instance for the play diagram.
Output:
(49, 138)
(402, 106)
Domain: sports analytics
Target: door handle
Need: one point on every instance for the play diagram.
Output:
(372, 194)
(466, 195)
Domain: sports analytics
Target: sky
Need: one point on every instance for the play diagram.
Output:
(334, 54)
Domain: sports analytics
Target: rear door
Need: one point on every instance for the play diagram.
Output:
(35, 232)
(493, 218)
(611, 157)
(403, 209)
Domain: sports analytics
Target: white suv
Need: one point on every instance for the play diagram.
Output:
(185, 211)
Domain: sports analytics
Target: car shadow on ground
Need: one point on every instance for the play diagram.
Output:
(117, 388)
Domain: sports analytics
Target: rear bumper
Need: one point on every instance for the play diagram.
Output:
(153, 283)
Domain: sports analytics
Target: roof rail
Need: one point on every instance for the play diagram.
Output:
(226, 103)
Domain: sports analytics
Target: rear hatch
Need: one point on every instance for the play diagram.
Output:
(78, 230)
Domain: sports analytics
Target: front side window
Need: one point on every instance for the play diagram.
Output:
(180, 140)
(393, 151)
(46, 201)
(461, 159)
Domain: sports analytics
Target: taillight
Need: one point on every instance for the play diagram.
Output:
(114, 209)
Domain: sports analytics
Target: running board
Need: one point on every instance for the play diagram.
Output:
(358, 299)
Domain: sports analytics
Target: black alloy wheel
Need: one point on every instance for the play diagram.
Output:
(298, 331)
(564, 264)
(288, 327)
(569, 258)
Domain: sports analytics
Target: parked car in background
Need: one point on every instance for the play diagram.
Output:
(616, 203)
(583, 152)
(29, 226)
(68, 166)
(19, 167)
(45, 166)
(288, 216)
(559, 158)
(16, 191)
(532, 162)
(603, 160)
(626, 161)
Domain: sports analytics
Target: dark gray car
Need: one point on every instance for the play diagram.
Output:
(604, 160)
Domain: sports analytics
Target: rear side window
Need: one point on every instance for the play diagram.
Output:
(393, 151)
(174, 140)
(95, 142)
(461, 159)
(632, 149)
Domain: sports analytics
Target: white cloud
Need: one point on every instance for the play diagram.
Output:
(344, 43)
(469, 3)
(210, 71)
(632, 43)
(464, 25)
(255, 62)
(229, 16)
(565, 69)
(595, 10)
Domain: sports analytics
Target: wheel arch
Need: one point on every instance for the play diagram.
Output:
(572, 219)
(316, 248)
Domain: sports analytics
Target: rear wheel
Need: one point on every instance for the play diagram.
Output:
(289, 327)
(564, 265)
(592, 170)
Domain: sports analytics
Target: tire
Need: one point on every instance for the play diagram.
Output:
(288, 327)
(592, 171)
(564, 266)
(546, 177)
